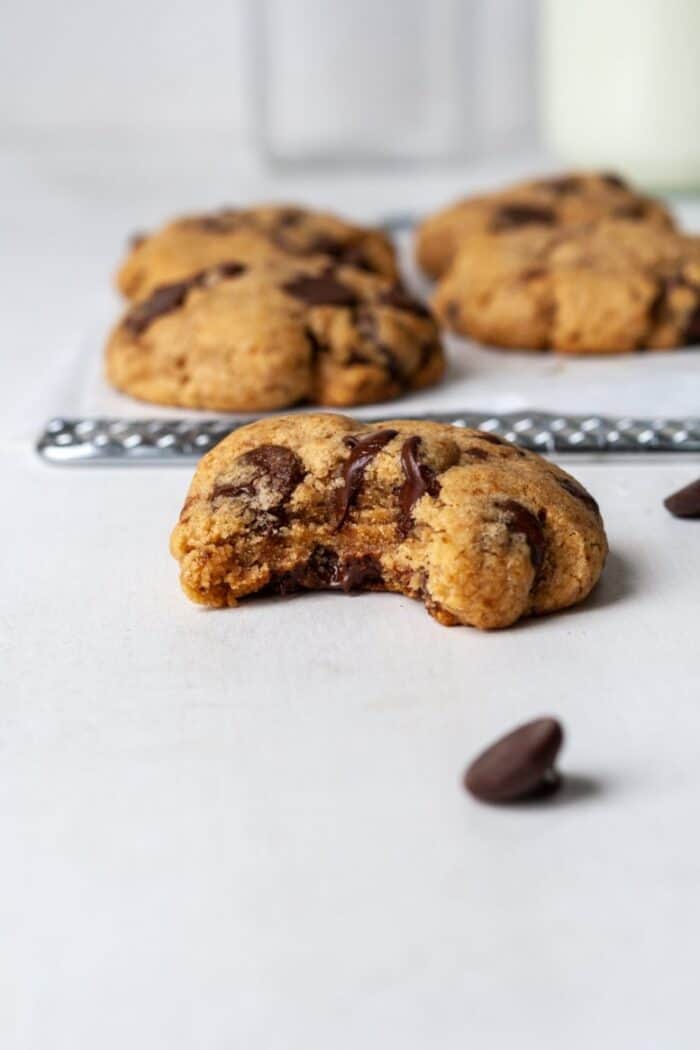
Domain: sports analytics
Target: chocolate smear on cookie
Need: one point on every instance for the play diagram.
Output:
(420, 479)
(363, 451)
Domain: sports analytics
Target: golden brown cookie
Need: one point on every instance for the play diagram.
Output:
(548, 203)
(197, 242)
(479, 530)
(274, 333)
(604, 287)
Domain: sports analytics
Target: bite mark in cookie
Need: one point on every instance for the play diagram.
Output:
(322, 502)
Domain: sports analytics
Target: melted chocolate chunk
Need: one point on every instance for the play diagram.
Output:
(170, 297)
(520, 519)
(518, 766)
(691, 332)
(359, 572)
(324, 571)
(420, 478)
(398, 298)
(686, 502)
(318, 573)
(511, 216)
(363, 451)
(267, 475)
(452, 312)
(323, 290)
(578, 491)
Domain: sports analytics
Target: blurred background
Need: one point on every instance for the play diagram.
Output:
(114, 117)
(338, 82)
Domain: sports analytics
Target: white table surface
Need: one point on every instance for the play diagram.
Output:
(245, 829)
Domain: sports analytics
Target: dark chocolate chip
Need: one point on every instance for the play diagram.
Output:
(420, 479)
(225, 221)
(518, 766)
(511, 216)
(137, 239)
(315, 344)
(170, 297)
(290, 216)
(367, 325)
(477, 453)
(613, 179)
(636, 210)
(533, 274)
(686, 502)
(362, 452)
(162, 301)
(691, 332)
(520, 519)
(398, 298)
(494, 439)
(578, 491)
(268, 475)
(561, 186)
(323, 290)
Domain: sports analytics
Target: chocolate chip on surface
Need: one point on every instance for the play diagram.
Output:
(686, 502)
(518, 766)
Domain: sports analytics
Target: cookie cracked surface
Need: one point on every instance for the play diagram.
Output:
(245, 336)
(197, 242)
(479, 530)
(548, 203)
(604, 287)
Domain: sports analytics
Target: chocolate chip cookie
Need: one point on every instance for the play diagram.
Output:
(603, 287)
(197, 242)
(277, 332)
(547, 203)
(479, 530)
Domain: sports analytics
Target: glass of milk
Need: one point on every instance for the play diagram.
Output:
(621, 86)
